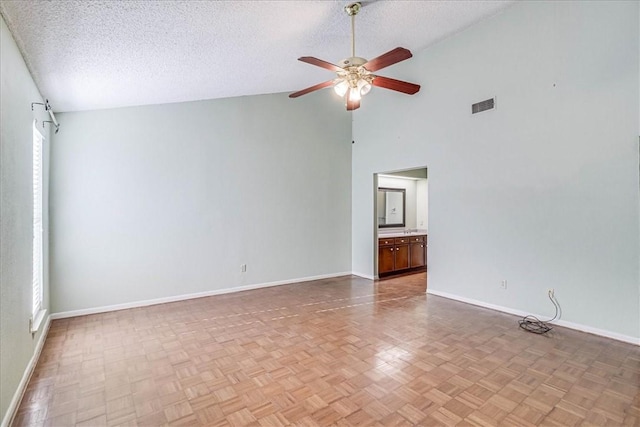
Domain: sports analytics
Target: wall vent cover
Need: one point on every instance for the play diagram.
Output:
(488, 104)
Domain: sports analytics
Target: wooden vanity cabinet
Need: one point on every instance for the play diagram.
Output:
(401, 254)
(386, 259)
(418, 251)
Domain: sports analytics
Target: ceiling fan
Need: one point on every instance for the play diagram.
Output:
(355, 76)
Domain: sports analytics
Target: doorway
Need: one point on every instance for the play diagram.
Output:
(401, 222)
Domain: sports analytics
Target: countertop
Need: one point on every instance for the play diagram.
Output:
(383, 235)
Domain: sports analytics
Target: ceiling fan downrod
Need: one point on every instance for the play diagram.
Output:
(353, 80)
(352, 10)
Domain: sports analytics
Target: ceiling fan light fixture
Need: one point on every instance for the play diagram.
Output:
(354, 94)
(341, 87)
(364, 87)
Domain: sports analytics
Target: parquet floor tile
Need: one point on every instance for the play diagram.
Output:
(335, 352)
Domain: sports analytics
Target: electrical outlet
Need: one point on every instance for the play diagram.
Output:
(243, 268)
(503, 284)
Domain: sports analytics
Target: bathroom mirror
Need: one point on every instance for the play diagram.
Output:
(391, 206)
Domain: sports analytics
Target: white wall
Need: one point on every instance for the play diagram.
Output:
(16, 215)
(543, 191)
(161, 201)
(422, 204)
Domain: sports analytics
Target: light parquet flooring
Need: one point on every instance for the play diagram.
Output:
(341, 351)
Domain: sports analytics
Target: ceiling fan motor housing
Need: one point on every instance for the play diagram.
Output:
(354, 61)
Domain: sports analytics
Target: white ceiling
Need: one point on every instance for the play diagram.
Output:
(103, 53)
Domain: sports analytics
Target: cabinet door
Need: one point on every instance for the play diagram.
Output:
(385, 259)
(402, 257)
(418, 255)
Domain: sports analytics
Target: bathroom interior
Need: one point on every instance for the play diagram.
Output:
(402, 222)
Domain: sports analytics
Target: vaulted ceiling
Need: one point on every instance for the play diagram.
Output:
(104, 53)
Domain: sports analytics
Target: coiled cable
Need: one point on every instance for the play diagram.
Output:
(534, 325)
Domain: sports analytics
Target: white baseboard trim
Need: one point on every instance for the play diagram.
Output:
(183, 297)
(364, 276)
(26, 376)
(563, 323)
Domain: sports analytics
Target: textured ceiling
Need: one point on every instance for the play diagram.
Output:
(103, 54)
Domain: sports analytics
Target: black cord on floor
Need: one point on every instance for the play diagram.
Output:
(534, 325)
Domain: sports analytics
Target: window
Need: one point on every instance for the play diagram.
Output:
(37, 312)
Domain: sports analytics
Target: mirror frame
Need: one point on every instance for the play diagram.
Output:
(404, 206)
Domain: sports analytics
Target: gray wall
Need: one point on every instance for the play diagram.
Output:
(18, 91)
(161, 201)
(543, 191)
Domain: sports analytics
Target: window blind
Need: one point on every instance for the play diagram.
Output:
(37, 223)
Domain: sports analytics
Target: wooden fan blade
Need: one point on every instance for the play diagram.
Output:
(392, 57)
(352, 104)
(319, 63)
(311, 89)
(397, 85)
